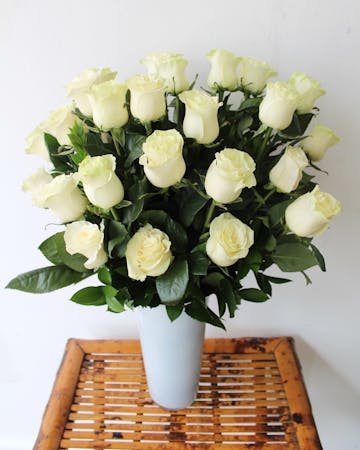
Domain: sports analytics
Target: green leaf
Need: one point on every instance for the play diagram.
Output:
(135, 192)
(254, 259)
(171, 286)
(307, 278)
(263, 283)
(175, 231)
(117, 238)
(89, 296)
(110, 296)
(277, 212)
(174, 311)
(104, 275)
(293, 257)
(59, 162)
(253, 295)
(190, 204)
(54, 250)
(270, 244)
(199, 311)
(77, 138)
(94, 145)
(46, 279)
(213, 279)
(49, 248)
(198, 263)
(319, 257)
(226, 294)
(134, 143)
(298, 125)
(277, 280)
(250, 103)
(244, 123)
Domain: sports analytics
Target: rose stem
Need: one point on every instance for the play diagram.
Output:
(209, 215)
(263, 146)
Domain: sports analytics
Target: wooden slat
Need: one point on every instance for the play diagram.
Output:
(58, 407)
(245, 400)
(296, 393)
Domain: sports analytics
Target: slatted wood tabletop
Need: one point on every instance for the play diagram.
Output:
(251, 395)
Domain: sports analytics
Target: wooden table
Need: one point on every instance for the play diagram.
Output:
(251, 395)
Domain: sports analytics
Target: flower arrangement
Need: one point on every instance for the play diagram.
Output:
(170, 193)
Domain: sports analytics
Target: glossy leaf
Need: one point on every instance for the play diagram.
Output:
(293, 257)
(171, 286)
(46, 279)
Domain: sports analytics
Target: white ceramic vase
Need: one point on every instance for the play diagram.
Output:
(172, 354)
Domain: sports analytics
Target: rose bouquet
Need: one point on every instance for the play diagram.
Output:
(169, 193)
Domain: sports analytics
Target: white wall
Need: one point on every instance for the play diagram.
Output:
(43, 44)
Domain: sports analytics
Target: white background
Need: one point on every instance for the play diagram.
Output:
(43, 45)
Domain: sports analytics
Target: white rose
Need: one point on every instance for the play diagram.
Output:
(63, 197)
(148, 253)
(201, 121)
(307, 88)
(59, 122)
(278, 106)
(35, 182)
(79, 87)
(254, 74)
(36, 144)
(163, 161)
(101, 185)
(319, 140)
(170, 67)
(147, 97)
(287, 172)
(230, 240)
(228, 174)
(108, 105)
(87, 239)
(310, 214)
(223, 72)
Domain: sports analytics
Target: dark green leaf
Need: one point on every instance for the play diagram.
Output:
(198, 263)
(213, 279)
(90, 296)
(174, 311)
(319, 257)
(298, 125)
(94, 145)
(54, 250)
(134, 143)
(46, 279)
(277, 280)
(117, 238)
(244, 123)
(135, 192)
(171, 286)
(199, 311)
(253, 295)
(293, 257)
(254, 259)
(263, 283)
(277, 212)
(190, 204)
(226, 293)
(270, 244)
(59, 162)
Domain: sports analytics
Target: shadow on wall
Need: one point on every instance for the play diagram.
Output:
(337, 398)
